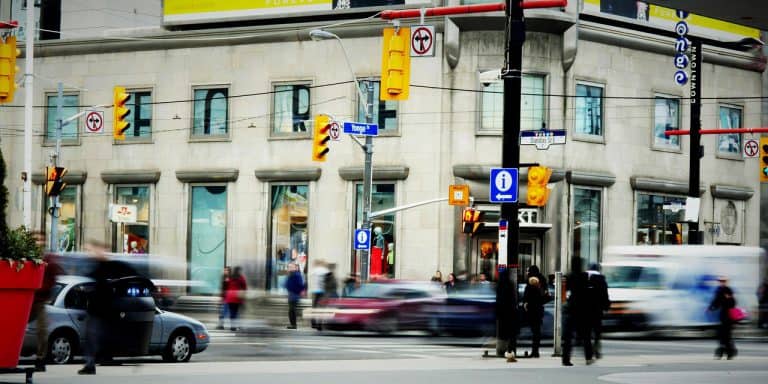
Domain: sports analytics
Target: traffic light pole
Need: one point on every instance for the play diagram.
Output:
(365, 254)
(694, 236)
(29, 60)
(54, 208)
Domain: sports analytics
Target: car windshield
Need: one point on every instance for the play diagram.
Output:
(55, 290)
(368, 291)
(633, 276)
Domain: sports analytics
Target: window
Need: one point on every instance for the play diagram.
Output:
(658, 218)
(289, 235)
(386, 113)
(586, 226)
(210, 114)
(291, 108)
(68, 229)
(69, 132)
(207, 237)
(140, 105)
(382, 256)
(133, 238)
(532, 105)
(666, 117)
(729, 145)
(589, 110)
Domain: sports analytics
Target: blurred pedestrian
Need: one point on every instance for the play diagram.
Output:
(42, 298)
(437, 277)
(534, 298)
(331, 286)
(598, 302)
(351, 283)
(295, 286)
(762, 300)
(450, 284)
(483, 280)
(99, 305)
(223, 307)
(507, 323)
(724, 302)
(576, 313)
(234, 296)
(318, 287)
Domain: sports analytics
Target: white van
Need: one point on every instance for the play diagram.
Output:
(652, 287)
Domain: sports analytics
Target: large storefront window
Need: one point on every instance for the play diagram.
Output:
(68, 231)
(289, 236)
(382, 255)
(658, 217)
(133, 238)
(207, 237)
(586, 224)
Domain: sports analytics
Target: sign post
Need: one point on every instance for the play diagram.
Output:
(503, 231)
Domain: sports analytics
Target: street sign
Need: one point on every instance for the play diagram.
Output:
(422, 41)
(335, 131)
(458, 195)
(362, 239)
(502, 245)
(751, 148)
(542, 138)
(363, 129)
(503, 185)
(94, 122)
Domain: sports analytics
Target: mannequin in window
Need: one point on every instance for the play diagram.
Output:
(391, 259)
(377, 252)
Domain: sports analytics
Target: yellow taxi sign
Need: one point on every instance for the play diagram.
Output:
(458, 195)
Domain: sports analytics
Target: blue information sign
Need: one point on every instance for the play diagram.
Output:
(362, 239)
(504, 185)
(364, 129)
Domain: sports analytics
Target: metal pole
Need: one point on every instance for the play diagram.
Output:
(558, 323)
(367, 184)
(29, 35)
(54, 209)
(695, 158)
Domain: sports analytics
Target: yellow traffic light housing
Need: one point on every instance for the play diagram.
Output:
(54, 182)
(763, 159)
(8, 55)
(471, 220)
(538, 193)
(396, 64)
(321, 137)
(120, 123)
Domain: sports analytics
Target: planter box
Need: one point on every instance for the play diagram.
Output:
(17, 290)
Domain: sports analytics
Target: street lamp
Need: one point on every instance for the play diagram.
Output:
(317, 35)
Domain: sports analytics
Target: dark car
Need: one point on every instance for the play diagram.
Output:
(175, 337)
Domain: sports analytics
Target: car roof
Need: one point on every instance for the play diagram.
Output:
(73, 279)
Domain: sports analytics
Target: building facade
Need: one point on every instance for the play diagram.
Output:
(217, 161)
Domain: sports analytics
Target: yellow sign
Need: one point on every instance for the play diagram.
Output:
(458, 195)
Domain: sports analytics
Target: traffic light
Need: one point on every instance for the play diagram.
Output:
(121, 112)
(396, 64)
(471, 220)
(321, 137)
(763, 159)
(54, 180)
(8, 54)
(538, 193)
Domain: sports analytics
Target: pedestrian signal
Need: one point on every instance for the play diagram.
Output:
(54, 183)
(471, 220)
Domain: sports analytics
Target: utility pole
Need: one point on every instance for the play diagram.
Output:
(29, 35)
(694, 236)
(54, 208)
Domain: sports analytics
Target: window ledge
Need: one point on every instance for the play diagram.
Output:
(729, 157)
(489, 133)
(589, 138)
(135, 141)
(64, 142)
(203, 139)
(668, 150)
(296, 136)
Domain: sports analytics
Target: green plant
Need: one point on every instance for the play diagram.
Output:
(18, 245)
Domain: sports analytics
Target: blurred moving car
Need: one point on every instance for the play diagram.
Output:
(175, 337)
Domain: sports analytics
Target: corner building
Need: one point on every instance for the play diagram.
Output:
(217, 161)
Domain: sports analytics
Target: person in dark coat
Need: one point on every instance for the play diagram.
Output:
(575, 313)
(507, 323)
(295, 286)
(533, 306)
(598, 303)
(724, 302)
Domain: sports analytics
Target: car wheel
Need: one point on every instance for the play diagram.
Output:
(179, 348)
(61, 348)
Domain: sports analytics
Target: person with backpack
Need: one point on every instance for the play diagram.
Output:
(534, 298)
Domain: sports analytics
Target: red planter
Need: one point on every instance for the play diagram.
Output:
(17, 290)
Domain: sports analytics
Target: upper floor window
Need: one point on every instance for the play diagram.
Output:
(384, 111)
(532, 104)
(291, 108)
(69, 132)
(589, 110)
(210, 112)
(729, 145)
(140, 105)
(666, 117)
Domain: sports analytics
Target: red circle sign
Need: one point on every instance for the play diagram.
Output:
(751, 147)
(421, 40)
(94, 121)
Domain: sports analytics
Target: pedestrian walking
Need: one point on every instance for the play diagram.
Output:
(724, 302)
(450, 284)
(295, 286)
(234, 296)
(534, 298)
(223, 307)
(507, 323)
(598, 302)
(318, 287)
(331, 286)
(351, 283)
(42, 299)
(575, 313)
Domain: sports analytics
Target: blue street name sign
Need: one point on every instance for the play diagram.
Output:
(362, 239)
(503, 185)
(364, 129)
